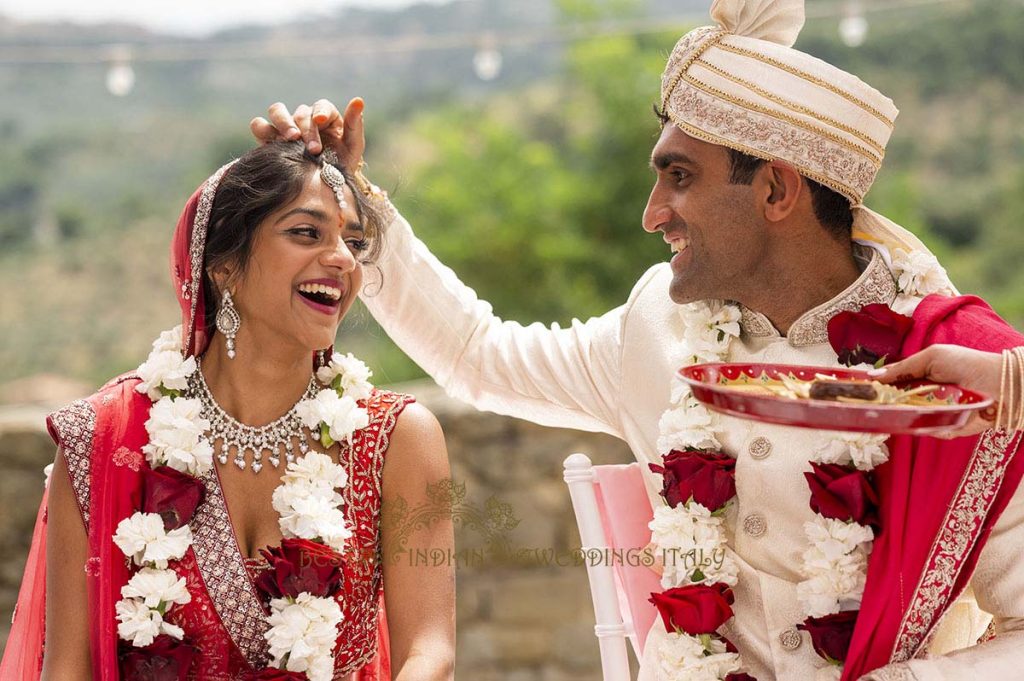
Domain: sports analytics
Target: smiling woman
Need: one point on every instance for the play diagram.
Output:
(161, 560)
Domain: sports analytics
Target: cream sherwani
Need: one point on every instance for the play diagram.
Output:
(613, 373)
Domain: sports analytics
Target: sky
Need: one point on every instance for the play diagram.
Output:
(189, 17)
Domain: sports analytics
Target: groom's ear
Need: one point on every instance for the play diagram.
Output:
(781, 187)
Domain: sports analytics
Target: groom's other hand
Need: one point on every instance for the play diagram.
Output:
(318, 125)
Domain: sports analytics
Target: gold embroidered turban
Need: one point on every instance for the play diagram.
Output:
(741, 84)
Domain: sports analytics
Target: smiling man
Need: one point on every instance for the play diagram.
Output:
(764, 158)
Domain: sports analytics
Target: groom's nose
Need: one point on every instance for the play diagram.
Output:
(657, 213)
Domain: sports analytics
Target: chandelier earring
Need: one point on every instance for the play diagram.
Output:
(228, 321)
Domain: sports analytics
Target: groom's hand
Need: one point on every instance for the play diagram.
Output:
(319, 125)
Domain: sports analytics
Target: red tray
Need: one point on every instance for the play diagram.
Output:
(953, 405)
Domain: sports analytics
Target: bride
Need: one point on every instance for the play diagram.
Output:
(216, 514)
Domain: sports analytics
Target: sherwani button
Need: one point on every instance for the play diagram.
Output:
(760, 447)
(755, 525)
(791, 638)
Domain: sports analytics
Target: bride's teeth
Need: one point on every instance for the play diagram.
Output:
(323, 289)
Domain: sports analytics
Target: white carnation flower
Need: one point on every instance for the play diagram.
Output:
(47, 472)
(305, 630)
(142, 538)
(169, 340)
(835, 565)
(316, 468)
(311, 517)
(176, 436)
(691, 425)
(341, 414)
(834, 537)
(689, 539)
(708, 329)
(154, 587)
(918, 273)
(355, 375)
(865, 451)
(681, 656)
(140, 624)
(167, 369)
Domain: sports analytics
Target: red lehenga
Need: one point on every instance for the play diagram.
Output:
(102, 437)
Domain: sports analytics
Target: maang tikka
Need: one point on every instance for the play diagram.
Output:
(228, 321)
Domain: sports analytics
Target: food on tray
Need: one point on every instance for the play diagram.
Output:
(829, 388)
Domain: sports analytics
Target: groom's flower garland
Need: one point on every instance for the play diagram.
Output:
(304, 572)
(698, 484)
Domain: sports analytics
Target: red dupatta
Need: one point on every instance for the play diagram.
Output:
(939, 501)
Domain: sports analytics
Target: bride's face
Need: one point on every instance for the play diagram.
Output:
(304, 271)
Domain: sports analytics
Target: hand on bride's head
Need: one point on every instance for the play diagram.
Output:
(318, 126)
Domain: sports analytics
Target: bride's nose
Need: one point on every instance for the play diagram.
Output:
(339, 256)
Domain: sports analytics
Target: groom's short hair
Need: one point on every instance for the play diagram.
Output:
(830, 207)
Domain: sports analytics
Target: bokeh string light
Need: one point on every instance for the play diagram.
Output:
(487, 49)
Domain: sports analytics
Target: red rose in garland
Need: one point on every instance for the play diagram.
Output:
(165, 659)
(740, 676)
(299, 565)
(708, 477)
(873, 335)
(830, 635)
(842, 493)
(171, 494)
(695, 609)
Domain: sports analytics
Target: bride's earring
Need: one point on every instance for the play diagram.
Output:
(228, 321)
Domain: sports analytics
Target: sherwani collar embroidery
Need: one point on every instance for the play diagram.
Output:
(875, 285)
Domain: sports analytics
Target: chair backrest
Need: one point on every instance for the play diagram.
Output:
(612, 512)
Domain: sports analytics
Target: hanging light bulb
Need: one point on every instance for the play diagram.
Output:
(488, 60)
(853, 27)
(120, 74)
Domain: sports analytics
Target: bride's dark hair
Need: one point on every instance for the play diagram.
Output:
(261, 182)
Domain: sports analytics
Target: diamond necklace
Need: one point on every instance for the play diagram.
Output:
(276, 436)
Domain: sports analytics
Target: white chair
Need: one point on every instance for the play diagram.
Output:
(614, 624)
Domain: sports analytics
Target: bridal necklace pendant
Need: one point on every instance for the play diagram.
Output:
(275, 436)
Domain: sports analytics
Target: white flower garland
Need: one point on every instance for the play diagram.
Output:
(303, 630)
(835, 563)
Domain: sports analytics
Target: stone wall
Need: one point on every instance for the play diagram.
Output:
(517, 621)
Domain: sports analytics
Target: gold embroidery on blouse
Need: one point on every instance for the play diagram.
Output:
(75, 425)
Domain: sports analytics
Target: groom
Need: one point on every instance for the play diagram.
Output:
(763, 161)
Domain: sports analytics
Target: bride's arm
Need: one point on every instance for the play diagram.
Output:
(67, 656)
(419, 599)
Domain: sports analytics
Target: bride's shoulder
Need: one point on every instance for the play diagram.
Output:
(76, 420)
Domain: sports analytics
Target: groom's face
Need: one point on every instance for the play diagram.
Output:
(712, 225)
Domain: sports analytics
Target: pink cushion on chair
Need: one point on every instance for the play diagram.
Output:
(625, 512)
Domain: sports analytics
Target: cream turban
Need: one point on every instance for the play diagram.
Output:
(741, 84)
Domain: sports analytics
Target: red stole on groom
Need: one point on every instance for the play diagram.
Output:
(939, 501)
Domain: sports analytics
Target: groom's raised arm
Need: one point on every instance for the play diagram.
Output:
(553, 376)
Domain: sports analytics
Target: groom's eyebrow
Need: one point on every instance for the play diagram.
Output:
(663, 161)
